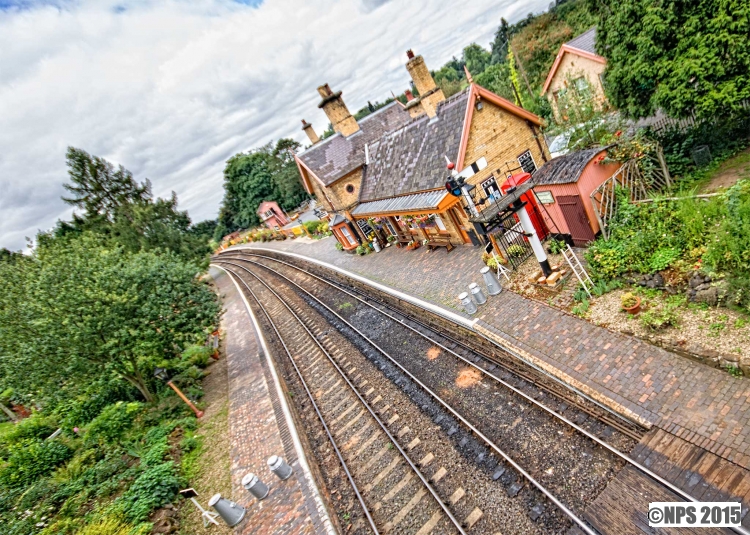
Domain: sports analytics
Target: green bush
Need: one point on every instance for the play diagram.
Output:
(556, 246)
(156, 486)
(662, 259)
(659, 317)
(197, 355)
(113, 422)
(35, 426)
(29, 459)
(339, 247)
(515, 250)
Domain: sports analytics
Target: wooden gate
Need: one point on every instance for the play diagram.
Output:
(576, 218)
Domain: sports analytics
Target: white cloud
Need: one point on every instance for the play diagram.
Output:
(171, 89)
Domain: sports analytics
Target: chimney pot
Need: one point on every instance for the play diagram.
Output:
(410, 54)
(408, 95)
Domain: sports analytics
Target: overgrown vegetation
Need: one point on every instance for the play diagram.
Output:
(687, 235)
(84, 320)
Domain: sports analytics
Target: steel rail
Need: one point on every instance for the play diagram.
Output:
(561, 506)
(686, 496)
(484, 372)
(382, 425)
(315, 405)
(422, 304)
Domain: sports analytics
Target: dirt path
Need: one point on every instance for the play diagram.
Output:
(212, 466)
(729, 173)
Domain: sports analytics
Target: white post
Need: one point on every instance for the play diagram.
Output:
(536, 245)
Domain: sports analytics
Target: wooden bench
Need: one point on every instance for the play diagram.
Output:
(440, 241)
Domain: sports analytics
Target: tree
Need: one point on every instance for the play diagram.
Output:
(476, 59)
(118, 208)
(77, 310)
(684, 57)
(497, 78)
(499, 46)
(266, 174)
(285, 174)
(100, 189)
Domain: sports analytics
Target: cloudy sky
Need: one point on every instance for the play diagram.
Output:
(171, 89)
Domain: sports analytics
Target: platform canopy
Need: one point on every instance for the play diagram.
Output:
(418, 203)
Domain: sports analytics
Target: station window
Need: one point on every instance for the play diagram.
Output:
(527, 162)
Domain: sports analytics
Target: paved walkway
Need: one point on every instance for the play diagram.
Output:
(258, 429)
(702, 405)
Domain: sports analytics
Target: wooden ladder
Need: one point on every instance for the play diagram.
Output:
(578, 269)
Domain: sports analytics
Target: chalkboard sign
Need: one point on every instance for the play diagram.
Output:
(364, 226)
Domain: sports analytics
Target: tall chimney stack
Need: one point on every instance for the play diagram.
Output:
(430, 95)
(333, 105)
(310, 131)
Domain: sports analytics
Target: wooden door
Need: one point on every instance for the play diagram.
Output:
(576, 218)
(456, 220)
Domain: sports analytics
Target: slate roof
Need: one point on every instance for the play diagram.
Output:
(412, 158)
(565, 169)
(586, 41)
(337, 156)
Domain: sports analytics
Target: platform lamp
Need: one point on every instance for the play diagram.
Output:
(163, 375)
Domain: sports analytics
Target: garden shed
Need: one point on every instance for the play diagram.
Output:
(564, 185)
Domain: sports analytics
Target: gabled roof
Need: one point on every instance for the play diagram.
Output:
(584, 45)
(332, 158)
(586, 41)
(412, 158)
(565, 169)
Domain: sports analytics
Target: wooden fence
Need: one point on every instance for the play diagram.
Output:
(642, 177)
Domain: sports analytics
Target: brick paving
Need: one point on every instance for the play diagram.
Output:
(702, 405)
(258, 430)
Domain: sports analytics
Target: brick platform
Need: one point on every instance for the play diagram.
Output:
(704, 406)
(258, 429)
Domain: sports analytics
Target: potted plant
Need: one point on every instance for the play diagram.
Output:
(391, 238)
(630, 303)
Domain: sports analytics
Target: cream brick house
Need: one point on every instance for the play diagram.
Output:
(577, 63)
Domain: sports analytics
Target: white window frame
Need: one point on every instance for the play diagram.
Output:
(348, 235)
(440, 224)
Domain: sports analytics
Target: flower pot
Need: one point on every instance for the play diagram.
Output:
(636, 308)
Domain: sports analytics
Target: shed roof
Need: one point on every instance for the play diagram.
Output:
(338, 155)
(565, 169)
(586, 41)
(412, 158)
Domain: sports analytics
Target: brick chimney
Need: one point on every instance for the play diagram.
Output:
(307, 127)
(333, 105)
(430, 95)
(408, 95)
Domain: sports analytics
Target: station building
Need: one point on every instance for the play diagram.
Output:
(385, 175)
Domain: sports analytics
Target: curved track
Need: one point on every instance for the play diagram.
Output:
(543, 435)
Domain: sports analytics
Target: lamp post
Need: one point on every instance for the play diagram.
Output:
(161, 374)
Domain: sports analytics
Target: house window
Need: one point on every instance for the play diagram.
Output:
(349, 188)
(439, 223)
(347, 235)
(390, 227)
(581, 84)
(267, 214)
(490, 188)
(527, 162)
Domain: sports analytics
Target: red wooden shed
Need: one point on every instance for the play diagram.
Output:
(564, 185)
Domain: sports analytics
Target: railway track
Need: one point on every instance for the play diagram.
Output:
(537, 445)
(371, 443)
